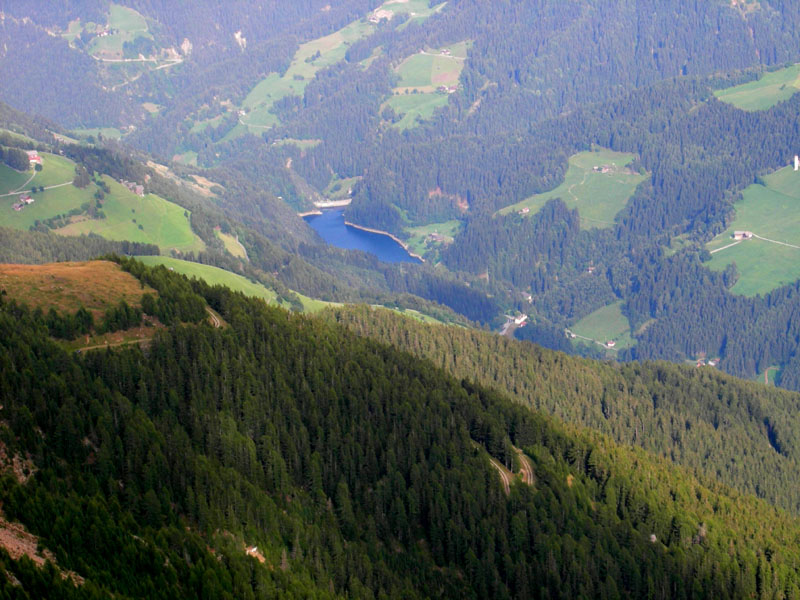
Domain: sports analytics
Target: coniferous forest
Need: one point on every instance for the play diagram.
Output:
(607, 184)
(356, 469)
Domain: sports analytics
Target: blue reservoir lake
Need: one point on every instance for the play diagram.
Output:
(331, 227)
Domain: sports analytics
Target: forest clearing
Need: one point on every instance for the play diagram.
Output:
(598, 183)
(765, 92)
(772, 258)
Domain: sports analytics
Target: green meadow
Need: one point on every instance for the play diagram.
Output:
(313, 56)
(415, 96)
(232, 245)
(111, 133)
(11, 180)
(415, 108)
(236, 282)
(46, 205)
(339, 188)
(419, 241)
(149, 219)
(597, 196)
(310, 58)
(606, 324)
(55, 170)
(765, 92)
(126, 24)
(213, 276)
(771, 211)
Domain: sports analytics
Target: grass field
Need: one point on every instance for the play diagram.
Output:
(11, 180)
(150, 219)
(216, 276)
(606, 324)
(126, 25)
(770, 211)
(109, 133)
(597, 196)
(313, 56)
(55, 170)
(213, 276)
(419, 242)
(415, 108)
(186, 158)
(765, 92)
(66, 286)
(339, 189)
(232, 245)
(415, 97)
(308, 60)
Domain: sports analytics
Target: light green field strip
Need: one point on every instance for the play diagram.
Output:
(162, 223)
(232, 245)
(415, 108)
(605, 324)
(237, 283)
(772, 213)
(765, 92)
(426, 237)
(416, 95)
(598, 196)
(11, 180)
(125, 25)
(213, 276)
(315, 55)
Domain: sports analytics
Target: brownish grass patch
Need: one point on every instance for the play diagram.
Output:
(95, 285)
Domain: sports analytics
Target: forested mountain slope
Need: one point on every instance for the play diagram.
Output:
(741, 433)
(356, 469)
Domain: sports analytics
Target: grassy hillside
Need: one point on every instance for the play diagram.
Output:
(765, 92)
(772, 212)
(604, 325)
(315, 55)
(597, 195)
(148, 219)
(213, 276)
(66, 286)
(416, 95)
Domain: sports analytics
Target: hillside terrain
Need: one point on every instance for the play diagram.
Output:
(236, 491)
(555, 373)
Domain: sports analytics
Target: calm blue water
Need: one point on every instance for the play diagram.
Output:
(331, 228)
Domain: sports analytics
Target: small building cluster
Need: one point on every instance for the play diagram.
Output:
(447, 89)
(604, 169)
(33, 157)
(742, 235)
(445, 52)
(796, 162)
(24, 200)
(525, 211)
(133, 187)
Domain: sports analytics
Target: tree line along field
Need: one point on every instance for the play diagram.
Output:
(604, 325)
(765, 92)
(310, 58)
(124, 25)
(67, 286)
(149, 219)
(237, 283)
(597, 195)
(770, 211)
(420, 77)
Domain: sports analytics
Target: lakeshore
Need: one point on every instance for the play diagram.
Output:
(333, 228)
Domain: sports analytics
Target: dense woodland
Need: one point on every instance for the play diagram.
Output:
(357, 470)
(695, 417)
(528, 98)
